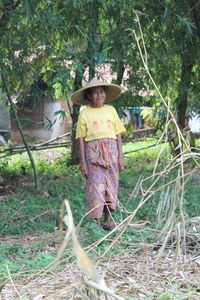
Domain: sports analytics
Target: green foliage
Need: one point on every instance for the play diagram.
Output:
(66, 38)
(4, 162)
(129, 129)
(149, 115)
(46, 49)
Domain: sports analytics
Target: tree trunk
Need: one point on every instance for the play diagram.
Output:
(192, 141)
(186, 70)
(120, 73)
(75, 154)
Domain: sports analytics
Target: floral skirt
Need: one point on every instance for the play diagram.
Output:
(103, 180)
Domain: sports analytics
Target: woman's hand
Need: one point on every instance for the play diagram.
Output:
(84, 170)
(121, 164)
(121, 161)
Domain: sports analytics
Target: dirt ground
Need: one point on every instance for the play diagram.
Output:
(132, 274)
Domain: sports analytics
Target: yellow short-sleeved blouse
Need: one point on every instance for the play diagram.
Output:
(99, 123)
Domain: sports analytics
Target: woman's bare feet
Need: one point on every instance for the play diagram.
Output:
(108, 226)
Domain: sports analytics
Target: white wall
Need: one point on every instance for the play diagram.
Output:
(58, 127)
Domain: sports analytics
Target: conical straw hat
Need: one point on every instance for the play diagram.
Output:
(112, 92)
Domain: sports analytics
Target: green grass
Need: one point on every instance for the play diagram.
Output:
(19, 259)
(29, 211)
(37, 212)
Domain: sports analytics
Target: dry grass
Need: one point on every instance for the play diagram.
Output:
(128, 274)
(135, 273)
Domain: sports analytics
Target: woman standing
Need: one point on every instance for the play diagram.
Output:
(99, 131)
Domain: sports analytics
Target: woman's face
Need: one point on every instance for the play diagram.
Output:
(97, 96)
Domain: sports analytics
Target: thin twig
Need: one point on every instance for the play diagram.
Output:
(52, 140)
(13, 283)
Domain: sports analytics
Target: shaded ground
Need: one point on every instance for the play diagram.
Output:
(9, 185)
(132, 274)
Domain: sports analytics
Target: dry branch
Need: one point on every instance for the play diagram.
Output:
(43, 146)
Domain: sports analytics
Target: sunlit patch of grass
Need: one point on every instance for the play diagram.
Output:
(46, 163)
(142, 155)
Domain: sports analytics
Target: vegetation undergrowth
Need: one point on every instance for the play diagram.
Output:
(29, 212)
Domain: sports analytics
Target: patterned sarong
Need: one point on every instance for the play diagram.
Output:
(103, 180)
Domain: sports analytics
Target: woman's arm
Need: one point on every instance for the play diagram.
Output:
(119, 145)
(84, 168)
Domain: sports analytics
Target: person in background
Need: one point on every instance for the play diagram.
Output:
(99, 130)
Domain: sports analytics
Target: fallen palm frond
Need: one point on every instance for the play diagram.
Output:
(19, 150)
(95, 289)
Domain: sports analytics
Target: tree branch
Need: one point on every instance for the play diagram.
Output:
(36, 178)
